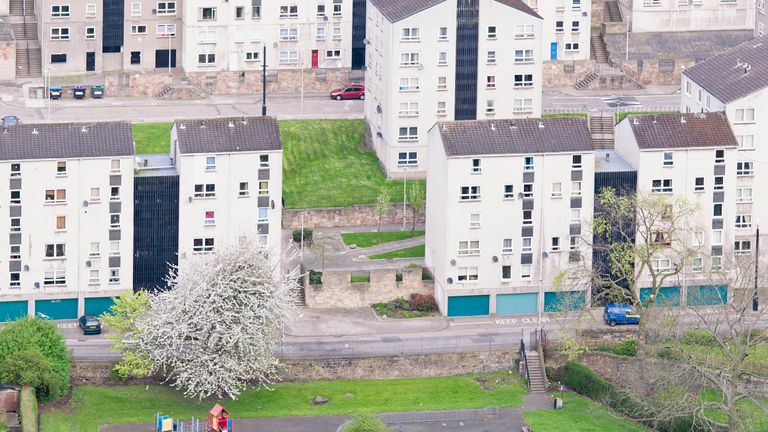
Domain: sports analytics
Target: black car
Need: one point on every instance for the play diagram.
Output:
(90, 324)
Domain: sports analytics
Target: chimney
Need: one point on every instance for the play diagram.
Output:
(493, 127)
(635, 120)
(231, 125)
(541, 125)
(607, 157)
(34, 131)
(683, 120)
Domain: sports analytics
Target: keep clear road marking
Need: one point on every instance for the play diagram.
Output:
(506, 321)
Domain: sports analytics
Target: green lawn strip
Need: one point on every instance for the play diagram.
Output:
(360, 278)
(152, 138)
(580, 414)
(368, 239)
(409, 252)
(95, 405)
(753, 416)
(556, 115)
(622, 115)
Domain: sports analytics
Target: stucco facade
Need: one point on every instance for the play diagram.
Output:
(690, 15)
(566, 30)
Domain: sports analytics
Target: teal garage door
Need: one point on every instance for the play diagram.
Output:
(517, 304)
(666, 296)
(563, 301)
(98, 305)
(707, 295)
(59, 309)
(476, 305)
(12, 310)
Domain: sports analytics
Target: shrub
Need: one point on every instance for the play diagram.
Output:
(31, 368)
(365, 423)
(400, 303)
(423, 302)
(398, 277)
(700, 337)
(315, 277)
(307, 235)
(425, 274)
(669, 353)
(627, 347)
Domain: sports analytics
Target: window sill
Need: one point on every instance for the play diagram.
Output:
(55, 203)
(557, 196)
(203, 198)
(94, 256)
(54, 258)
(244, 196)
(469, 200)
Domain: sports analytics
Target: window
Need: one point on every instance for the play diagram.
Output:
(717, 263)
(114, 248)
(407, 158)
(15, 224)
(337, 8)
(94, 251)
(61, 223)
(743, 194)
(15, 197)
(114, 193)
(688, 88)
(572, 46)
(524, 31)
(114, 275)
(409, 85)
(525, 271)
(506, 272)
(527, 217)
(667, 160)
(509, 191)
(662, 238)
(58, 58)
(206, 14)
(59, 33)
(256, 12)
(114, 165)
(136, 9)
(559, 26)
(576, 188)
(490, 57)
(169, 8)
(209, 218)
(205, 190)
(95, 195)
(506, 246)
(409, 59)
(264, 161)
(336, 33)
(442, 34)
(575, 215)
(720, 156)
(522, 106)
(746, 142)
(252, 56)
(527, 245)
(288, 57)
(698, 239)
(15, 252)
(524, 56)
(557, 190)
(263, 187)
(576, 161)
(15, 280)
(90, 33)
(243, 190)
(742, 247)
(442, 58)
(743, 221)
(408, 34)
(139, 29)
(210, 163)
(54, 278)
(490, 82)
(55, 250)
(524, 80)
(662, 265)
(408, 133)
(467, 274)
(240, 12)
(15, 170)
(55, 196)
(698, 184)
(469, 193)
(442, 83)
(697, 264)
(555, 244)
(719, 183)
(744, 168)
(745, 115)
(90, 10)
(203, 244)
(470, 247)
(717, 237)
(59, 11)
(491, 32)
(206, 36)
(320, 10)
(114, 221)
(474, 220)
(93, 277)
(573, 242)
(333, 54)
(527, 190)
(717, 210)
(661, 186)
(263, 215)
(441, 110)
(320, 33)
(206, 59)
(476, 168)
(289, 33)
(528, 163)
(575, 26)
(490, 106)
(409, 109)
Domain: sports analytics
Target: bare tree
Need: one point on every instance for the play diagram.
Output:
(216, 329)
(417, 198)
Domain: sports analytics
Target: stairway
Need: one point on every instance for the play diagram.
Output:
(601, 129)
(537, 382)
(587, 80)
(301, 298)
(21, 7)
(24, 26)
(24, 30)
(599, 50)
(612, 11)
(35, 62)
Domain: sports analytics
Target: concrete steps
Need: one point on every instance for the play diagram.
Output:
(21, 7)
(599, 50)
(536, 381)
(601, 129)
(612, 11)
(587, 80)
(24, 31)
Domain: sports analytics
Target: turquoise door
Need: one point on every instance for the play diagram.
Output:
(517, 304)
(477, 305)
(558, 301)
(59, 309)
(666, 296)
(707, 295)
(98, 305)
(12, 310)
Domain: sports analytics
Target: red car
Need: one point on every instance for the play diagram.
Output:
(353, 91)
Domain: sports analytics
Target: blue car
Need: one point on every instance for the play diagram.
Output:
(90, 324)
(614, 314)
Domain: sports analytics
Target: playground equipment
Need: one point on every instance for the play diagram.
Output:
(217, 421)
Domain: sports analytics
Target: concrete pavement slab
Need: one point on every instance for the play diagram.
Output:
(358, 322)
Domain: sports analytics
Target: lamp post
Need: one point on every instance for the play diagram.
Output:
(755, 300)
(264, 82)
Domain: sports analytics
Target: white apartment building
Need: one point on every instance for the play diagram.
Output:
(736, 83)
(506, 201)
(688, 15)
(693, 156)
(230, 182)
(567, 30)
(761, 20)
(231, 36)
(69, 218)
(439, 60)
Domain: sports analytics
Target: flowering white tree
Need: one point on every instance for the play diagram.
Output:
(216, 329)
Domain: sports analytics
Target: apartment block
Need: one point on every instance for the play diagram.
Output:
(231, 36)
(69, 218)
(153, 35)
(566, 30)
(439, 60)
(506, 204)
(693, 156)
(760, 18)
(688, 15)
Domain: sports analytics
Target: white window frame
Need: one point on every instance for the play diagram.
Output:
(468, 248)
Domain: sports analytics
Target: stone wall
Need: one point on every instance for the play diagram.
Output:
(647, 72)
(347, 216)
(129, 84)
(598, 12)
(337, 290)
(7, 60)
(566, 73)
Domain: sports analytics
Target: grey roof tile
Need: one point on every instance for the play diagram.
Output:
(675, 131)
(724, 75)
(396, 10)
(228, 134)
(518, 136)
(65, 140)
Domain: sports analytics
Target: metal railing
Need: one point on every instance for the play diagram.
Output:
(524, 359)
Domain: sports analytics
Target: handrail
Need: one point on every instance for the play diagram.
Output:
(540, 349)
(524, 359)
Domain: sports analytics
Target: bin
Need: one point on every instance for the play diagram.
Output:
(97, 91)
(79, 92)
(55, 92)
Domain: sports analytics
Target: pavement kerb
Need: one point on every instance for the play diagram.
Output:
(380, 333)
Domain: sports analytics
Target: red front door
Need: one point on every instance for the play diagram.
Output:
(314, 59)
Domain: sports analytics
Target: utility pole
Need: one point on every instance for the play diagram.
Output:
(264, 82)
(755, 300)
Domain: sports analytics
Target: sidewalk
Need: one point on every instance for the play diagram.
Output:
(314, 323)
(650, 90)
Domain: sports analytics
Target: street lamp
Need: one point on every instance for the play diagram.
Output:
(755, 300)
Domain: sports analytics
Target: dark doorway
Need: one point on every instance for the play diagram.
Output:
(162, 57)
(90, 61)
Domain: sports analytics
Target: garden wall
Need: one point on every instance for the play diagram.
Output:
(347, 216)
(337, 290)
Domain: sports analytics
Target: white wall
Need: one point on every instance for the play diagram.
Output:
(566, 11)
(669, 15)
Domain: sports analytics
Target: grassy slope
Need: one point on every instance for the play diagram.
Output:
(94, 405)
(152, 138)
(409, 252)
(579, 414)
(367, 239)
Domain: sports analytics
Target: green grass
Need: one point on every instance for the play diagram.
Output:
(579, 414)
(409, 252)
(360, 278)
(95, 405)
(368, 239)
(152, 138)
(622, 115)
(28, 410)
(752, 415)
(556, 115)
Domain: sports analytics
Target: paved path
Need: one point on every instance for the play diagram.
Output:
(538, 401)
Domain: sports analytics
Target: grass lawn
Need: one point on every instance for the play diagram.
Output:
(622, 115)
(360, 278)
(409, 252)
(95, 405)
(580, 414)
(753, 416)
(368, 239)
(152, 138)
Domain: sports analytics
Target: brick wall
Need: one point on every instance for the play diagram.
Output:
(648, 72)
(347, 216)
(337, 290)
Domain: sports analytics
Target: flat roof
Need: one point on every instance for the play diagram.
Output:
(610, 161)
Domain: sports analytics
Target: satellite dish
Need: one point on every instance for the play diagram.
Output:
(450, 281)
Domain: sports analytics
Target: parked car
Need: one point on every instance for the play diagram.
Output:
(90, 324)
(11, 120)
(620, 314)
(349, 92)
